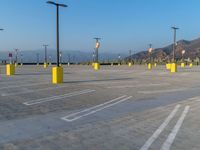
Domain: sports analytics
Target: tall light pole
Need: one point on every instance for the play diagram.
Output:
(97, 50)
(60, 58)
(45, 53)
(57, 28)
(174, 45)
(16, 57)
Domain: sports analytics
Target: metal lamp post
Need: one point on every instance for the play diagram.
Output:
(97, 49)
(16, 57)
(57, 72)
(174, 65)
(45, 53)
(57, 12)
(174, 45)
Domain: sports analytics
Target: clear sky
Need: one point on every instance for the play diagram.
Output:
(122, 24)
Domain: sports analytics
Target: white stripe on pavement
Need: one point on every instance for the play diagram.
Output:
(138, 85)
(162, 91)
(47, 99)
(160, 129)
(25, 85)
(31, 91)
(167, 144)
(97, 108)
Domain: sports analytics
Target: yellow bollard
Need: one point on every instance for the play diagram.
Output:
(96, 66)
(168, 66)
(182, 65)
(57, 75)
(45, 65)
(155, 65)
(16, 64)
(149, 66)
(191, 65)
(10, 69)
(173, 67)
(129, 64)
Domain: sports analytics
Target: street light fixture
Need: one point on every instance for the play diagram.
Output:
(97, 49)
(175, 44)
(57, 11)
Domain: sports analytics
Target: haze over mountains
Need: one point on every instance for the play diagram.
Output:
(192, 49)
(72, 56)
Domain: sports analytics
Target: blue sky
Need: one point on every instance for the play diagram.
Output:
(122, 24)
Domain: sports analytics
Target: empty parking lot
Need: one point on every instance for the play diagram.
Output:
(114, 108)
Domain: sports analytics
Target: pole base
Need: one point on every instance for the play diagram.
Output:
(96, 66)
(45, 65)
(182, 65)
(57, 75)
(168, 66)
(173, 67)
(10, 69)
(191, 65)
(149, 66)
(130, 64)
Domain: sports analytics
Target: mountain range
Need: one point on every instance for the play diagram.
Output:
(192, 51)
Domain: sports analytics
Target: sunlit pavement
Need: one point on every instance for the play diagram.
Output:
(114, 108)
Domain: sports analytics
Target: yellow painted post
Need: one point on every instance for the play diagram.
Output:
(155, 65)
(16, 64)
(149, 66)
(45, 65)
(182, 65)
(168, 66)
(191, 65)
(10, 69)
(96, 66)
(57, 75)
(130, 64)
(173, 67)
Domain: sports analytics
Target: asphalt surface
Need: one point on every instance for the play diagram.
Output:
(118, 107)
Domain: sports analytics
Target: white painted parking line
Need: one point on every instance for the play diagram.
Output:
(95, 109)
(25, 85)
(47, 99)
(167, 144)
(137, 85)
(160, 129)
(162, 91)
(31, 91)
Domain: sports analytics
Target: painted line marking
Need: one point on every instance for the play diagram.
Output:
(162, 91)
(160, 129)
(48, 99)
(140, 85)
(167, 144)
(95, 109)
(25, 85)
(31, 91)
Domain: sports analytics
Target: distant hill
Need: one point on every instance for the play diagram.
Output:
(192, 49)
